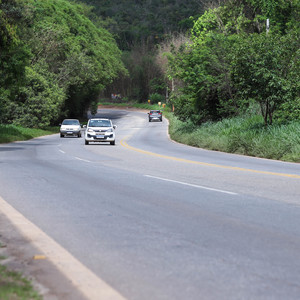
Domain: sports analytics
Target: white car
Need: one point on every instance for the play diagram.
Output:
(70, 127)
(100, 130)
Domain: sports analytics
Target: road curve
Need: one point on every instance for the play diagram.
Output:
(154, 219)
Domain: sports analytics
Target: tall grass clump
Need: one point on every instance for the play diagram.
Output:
(247, 136)
(11, 133)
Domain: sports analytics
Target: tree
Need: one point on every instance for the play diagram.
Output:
(68, 62)
(261, 68)
(231, 61)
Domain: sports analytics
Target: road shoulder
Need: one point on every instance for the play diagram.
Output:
(21, 256)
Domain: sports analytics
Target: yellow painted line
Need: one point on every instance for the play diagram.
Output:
(38, 257)
(124, 144)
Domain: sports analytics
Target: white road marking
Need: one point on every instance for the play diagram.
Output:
(61, 151)
(192, 185)
(87, 282)
(88, 161)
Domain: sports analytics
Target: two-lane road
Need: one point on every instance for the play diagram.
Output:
(154, 219)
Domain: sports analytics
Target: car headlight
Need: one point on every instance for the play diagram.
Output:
(109, 130)
(90, 130)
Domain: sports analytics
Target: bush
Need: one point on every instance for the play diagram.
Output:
(155, 98)
(248, 136)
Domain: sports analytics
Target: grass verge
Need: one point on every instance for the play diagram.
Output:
(146, 106)
(247, 136)
(13, 286)
(12, 133)
(240, 135)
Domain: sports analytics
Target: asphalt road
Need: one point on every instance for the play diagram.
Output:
(154, 219)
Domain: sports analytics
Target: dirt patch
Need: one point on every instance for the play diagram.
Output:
(20, 256)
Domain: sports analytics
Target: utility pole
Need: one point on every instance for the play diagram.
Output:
(268, 25)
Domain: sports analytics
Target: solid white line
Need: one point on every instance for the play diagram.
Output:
(192, 185)
(61, 151)
(87, 282)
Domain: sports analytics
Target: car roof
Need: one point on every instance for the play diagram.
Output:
(99, 119)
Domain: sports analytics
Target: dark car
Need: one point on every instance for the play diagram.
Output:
(155, 115)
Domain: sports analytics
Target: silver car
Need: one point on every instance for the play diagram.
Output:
(100, 130)
(70, 127)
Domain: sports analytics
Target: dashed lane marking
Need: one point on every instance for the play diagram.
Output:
(192, 185)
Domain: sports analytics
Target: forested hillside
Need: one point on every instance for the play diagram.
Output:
(209, 59)
(225, 66)
(146, 21)
(54, 61)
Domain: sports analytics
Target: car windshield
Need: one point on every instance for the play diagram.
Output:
(99, 123)
(70, 122)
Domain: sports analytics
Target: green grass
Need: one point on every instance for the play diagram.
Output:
(146, 106)
(247, 136)
(11, 133)
(14, 286)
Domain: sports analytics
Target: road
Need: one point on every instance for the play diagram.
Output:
(154, 219)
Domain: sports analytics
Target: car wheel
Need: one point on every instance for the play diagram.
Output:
(113, 142)
(79, 135)
(61, 135)
(149, 120)
(86, 142)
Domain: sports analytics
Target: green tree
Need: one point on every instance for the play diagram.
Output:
(231, 61)
(14, 56)
(63, 60)
(262, 71)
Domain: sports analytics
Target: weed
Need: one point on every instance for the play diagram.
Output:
(15, 286)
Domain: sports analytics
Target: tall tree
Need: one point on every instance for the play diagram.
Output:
(70, 61)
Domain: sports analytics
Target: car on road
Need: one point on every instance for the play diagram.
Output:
(100, 130)
(70, 127)
(155, 115)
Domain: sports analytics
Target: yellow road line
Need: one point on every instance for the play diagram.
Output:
(124, 144)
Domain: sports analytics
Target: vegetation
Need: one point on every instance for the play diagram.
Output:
(146, 21)
(54, 61)
(246, 135)
(241, 135)
(12, 133)
(15, 286)
(210, 60)
(232, 62)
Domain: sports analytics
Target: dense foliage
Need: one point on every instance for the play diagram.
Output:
(56, 57)
(233, 62)
(139, 26)
(138, 21)
(54, 61)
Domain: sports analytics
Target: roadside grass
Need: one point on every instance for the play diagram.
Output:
(11, 133)
(241, 135)
(146, 106)
(13, 286)
(247, 136)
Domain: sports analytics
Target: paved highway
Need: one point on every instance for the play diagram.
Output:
(154, 219)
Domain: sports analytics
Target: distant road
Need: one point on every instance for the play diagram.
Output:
(157, 220)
